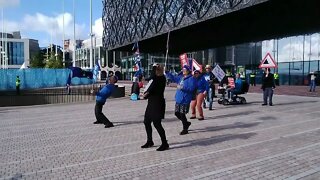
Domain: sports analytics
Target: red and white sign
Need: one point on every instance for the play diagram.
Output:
(196, 65)
(231, 82)
(184, 60)
(268, 62)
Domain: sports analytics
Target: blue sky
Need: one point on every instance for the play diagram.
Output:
(42, 19)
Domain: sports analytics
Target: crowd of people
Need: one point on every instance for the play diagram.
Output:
(194, 89)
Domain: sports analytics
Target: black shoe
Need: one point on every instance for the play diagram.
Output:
(270, 104)
(97, 122)
(109, 125)
(210, 109)
(148, 144)
(163, 147)
(193, 117)
(263, 104)
(200, 119)
(183, 132)
(189, 123)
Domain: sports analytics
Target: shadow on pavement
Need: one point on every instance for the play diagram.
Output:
(212, 140)
(228, 126)
(231, 115)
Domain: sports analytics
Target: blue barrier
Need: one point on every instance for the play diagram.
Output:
(38, 78)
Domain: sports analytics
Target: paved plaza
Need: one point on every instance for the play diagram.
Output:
(233, 142)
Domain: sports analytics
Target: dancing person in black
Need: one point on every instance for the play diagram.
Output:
(156, 109)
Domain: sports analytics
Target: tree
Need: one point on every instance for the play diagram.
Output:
(54, 62)
(37, 60)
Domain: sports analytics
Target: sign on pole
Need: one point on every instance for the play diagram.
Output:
(268, 62)
(218, 73)
(184, 60)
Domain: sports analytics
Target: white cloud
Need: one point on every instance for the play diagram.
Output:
(97, 28)
(54, 25)
(10, 26)
(9, 3)
(291, 48)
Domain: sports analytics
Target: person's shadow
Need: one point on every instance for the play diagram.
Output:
(212, 140)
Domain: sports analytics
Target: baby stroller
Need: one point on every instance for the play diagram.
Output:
(235, 99)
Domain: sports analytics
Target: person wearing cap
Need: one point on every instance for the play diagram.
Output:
(155, 110)
(185, 90)
(200, 93)
(209, 76)
(101, 98)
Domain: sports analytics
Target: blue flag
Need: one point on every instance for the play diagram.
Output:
(96, 71)
(137, 60)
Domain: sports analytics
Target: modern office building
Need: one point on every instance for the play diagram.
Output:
(16, 51)
(82, 53)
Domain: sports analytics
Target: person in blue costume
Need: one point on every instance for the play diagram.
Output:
(185, 90)
(101, 98)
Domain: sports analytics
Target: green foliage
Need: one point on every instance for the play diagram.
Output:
(37, 60)
(54, 62)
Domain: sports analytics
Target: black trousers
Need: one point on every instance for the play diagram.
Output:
(18, 90)
(157, 124)
(183, 119)
(99, 115)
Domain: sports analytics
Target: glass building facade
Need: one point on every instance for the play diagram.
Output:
(16, 53)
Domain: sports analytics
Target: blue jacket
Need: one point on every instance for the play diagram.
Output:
(188, 86)
(202, 84)
(238, 85)
(105, 93)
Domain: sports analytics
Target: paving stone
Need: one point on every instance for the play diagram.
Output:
(233, 142)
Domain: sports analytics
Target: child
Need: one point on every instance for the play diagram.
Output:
(101, 98)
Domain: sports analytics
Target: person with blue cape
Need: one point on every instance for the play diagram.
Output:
(185, 91)
(101, 98)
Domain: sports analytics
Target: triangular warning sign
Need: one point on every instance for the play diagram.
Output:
(268, 62)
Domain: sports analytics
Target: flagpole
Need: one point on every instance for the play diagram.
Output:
(167, 51)
(63, 38)
(74, 36)
(91, 41)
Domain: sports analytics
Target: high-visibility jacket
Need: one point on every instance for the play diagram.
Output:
(17, 82)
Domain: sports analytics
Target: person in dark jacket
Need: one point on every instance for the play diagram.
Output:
(156, 109)
(101, 98)
(202, 88)
(185, 90)
(268, 85)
